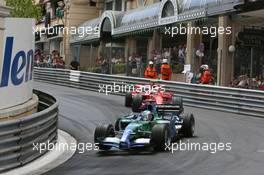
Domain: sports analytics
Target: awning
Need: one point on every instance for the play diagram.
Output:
(82, 35)
(150, 17)
(182, 10)
(138, 19)
(188, 5)
(222, 7)
(196, 9)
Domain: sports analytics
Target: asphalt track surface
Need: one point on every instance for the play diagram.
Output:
(81, 111)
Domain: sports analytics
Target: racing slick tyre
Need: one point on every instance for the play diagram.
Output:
(117, 124)
(128, 99)
(188, 125)
(178, 101)
(160, 137)
(136, 103)
(101, 132)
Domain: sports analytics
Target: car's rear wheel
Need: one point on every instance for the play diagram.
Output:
(136, 103)
(160, 137)
(178, 102)
(188, 126)
(101, 132)
(128, 99)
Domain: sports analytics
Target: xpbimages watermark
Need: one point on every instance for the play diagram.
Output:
(173, 147)
(79, 147)
(80, 31)
(123, 88)
(191, 146)
(183, 30)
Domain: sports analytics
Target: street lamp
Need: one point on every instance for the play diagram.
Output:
(231, 49)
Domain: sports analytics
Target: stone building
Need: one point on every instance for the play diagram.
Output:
(232, 44)
(75, 12)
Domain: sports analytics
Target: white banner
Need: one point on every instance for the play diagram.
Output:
(16, 64)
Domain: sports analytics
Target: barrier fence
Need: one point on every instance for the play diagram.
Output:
(239, 101)
(18, 135)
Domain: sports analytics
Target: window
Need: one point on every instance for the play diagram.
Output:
(118, 5)
(92, 3)
(109, 6)
(168, 10)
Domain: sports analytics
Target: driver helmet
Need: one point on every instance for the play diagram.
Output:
(147, 115)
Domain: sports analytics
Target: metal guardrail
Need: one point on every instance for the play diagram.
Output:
(18, 135)
(240, 101)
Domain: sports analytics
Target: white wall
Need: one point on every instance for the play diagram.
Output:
(15, 83)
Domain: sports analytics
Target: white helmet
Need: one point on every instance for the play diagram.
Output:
(165, 61)
(151, 62)
(204, 66)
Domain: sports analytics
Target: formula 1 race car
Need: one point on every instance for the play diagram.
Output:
(156, 127)
(144, 95)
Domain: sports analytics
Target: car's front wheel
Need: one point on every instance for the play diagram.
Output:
(160, 137)
(101, 132)
(117, 124)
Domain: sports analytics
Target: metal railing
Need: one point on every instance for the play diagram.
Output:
(240, 101)
(18, 135)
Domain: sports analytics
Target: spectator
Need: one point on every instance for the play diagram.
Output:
(75, 65)
(181, 54)
(98, 61)
(60, 11)
(138, 60)
(157, 61)
(37, 59)
(174, 56)
(56, 61)
(134, 66)
(165, 70)
(130, 58)
(261, 87)
(167, 55)
(243, 81)
(60, 63)
(104, 66)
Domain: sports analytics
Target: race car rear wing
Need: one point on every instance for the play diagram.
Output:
(168, 108)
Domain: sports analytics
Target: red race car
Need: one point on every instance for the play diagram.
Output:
(143, 95)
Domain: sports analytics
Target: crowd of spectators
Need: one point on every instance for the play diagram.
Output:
(243, 81)
(53, 60)
(175, 55)
(107, 65)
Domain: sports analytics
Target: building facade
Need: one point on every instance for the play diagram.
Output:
(59, 17)
(225, 34)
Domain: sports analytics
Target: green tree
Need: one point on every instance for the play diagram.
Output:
(24, 9)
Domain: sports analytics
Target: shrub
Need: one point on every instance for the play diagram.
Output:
(91, 69)
(119, 68)
(177, 68)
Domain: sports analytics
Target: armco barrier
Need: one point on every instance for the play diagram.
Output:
(18, 135)
(240, 101)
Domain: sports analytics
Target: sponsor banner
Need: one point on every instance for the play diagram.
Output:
(16, 63)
